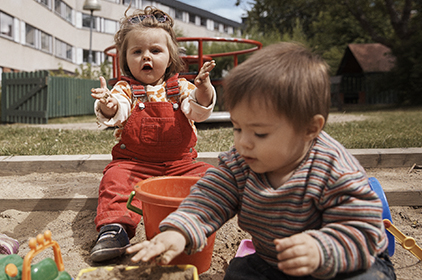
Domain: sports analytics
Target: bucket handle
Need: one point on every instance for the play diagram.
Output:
(130, 206)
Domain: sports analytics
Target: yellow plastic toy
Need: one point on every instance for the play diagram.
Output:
(109, 268)
(407, 242)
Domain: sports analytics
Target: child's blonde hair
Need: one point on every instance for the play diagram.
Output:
(287, 77)
(140, 20)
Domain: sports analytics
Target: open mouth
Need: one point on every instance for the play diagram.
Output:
(147, 67)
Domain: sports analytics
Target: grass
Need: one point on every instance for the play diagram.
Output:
(382, 129)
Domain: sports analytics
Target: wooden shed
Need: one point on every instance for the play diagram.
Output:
(360, 73)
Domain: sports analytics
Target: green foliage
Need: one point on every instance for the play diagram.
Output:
(93, 73)
(86, 71)
(328, 26)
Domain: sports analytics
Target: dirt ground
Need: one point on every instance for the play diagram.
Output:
(75, 232)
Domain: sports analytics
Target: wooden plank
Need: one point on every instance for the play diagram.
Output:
(42, 84)
(26, 113)
(19, 165)
(394, 198)
(49, 204)
(404, 198)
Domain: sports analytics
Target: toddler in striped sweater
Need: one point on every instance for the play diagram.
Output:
(304, 199)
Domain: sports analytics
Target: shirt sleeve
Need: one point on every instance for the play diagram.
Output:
(190, 106)
(348, 244)
(213, 200)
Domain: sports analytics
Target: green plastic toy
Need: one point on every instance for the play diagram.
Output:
(13, 267)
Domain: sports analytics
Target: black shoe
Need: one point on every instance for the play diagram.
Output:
(111, 243)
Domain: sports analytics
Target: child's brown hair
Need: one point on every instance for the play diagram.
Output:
(288, 77)
(148, 18)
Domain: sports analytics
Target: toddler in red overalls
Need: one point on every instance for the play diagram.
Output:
(154, 112)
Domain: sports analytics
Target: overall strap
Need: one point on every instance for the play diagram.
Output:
(138, 90)
(172, 87)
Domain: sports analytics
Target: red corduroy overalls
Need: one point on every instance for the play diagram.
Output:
(157, 140)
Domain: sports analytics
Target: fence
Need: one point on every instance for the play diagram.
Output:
(34, 97)
(365, 89)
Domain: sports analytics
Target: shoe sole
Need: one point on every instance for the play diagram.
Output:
(107, 254)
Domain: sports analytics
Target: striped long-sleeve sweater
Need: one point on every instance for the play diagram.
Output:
(328, 197)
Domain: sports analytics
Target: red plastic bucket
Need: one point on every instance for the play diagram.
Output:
(162, 195)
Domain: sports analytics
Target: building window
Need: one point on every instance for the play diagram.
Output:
(179, 14)
(216, 26)
(37, 38)
(203, 21)
(64, 10)
(46, 41)
(6, 25)
(192, 18)
(63, 50)
(46, 3)
(86, 21)
(94, 56)
(30, 36)
(110, 26)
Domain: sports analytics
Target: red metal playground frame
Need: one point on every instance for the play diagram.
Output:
(192, 59)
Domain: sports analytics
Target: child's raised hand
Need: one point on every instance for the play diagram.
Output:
(204, 73)
(167, 245)
(298, 254)
(204, 92)
(108, 104)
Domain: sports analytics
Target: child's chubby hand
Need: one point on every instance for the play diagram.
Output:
(167, 245)
(108, 104)
(298, 255)
(204, 73)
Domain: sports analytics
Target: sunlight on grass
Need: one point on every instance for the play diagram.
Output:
(20, 140)
(381, 129)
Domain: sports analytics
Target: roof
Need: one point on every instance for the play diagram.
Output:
(366, 58)
(199, 12)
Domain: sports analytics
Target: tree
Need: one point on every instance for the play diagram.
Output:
(329, 25)
(404, 40)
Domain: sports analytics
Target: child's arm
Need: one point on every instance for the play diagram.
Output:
(204, 91)
(298, 255)
(108, 104)
(167, 245)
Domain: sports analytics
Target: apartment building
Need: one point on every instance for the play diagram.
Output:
(53, 34)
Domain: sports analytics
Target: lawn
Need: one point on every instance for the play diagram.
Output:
(398, 128)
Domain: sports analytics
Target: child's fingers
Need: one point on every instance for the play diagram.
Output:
(103, 83)
(101, 94)
(208, 66)
(146, 251)
(201, 78)
(298, 254)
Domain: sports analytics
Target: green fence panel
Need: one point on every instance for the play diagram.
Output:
(34, 97)
(70, 97)
(24, 97)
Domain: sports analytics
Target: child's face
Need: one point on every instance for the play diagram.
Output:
(268, 141)
(148, 55)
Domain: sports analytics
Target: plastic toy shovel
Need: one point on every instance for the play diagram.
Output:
(407, 242)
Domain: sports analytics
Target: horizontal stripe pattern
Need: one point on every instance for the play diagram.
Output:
(327, 197)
